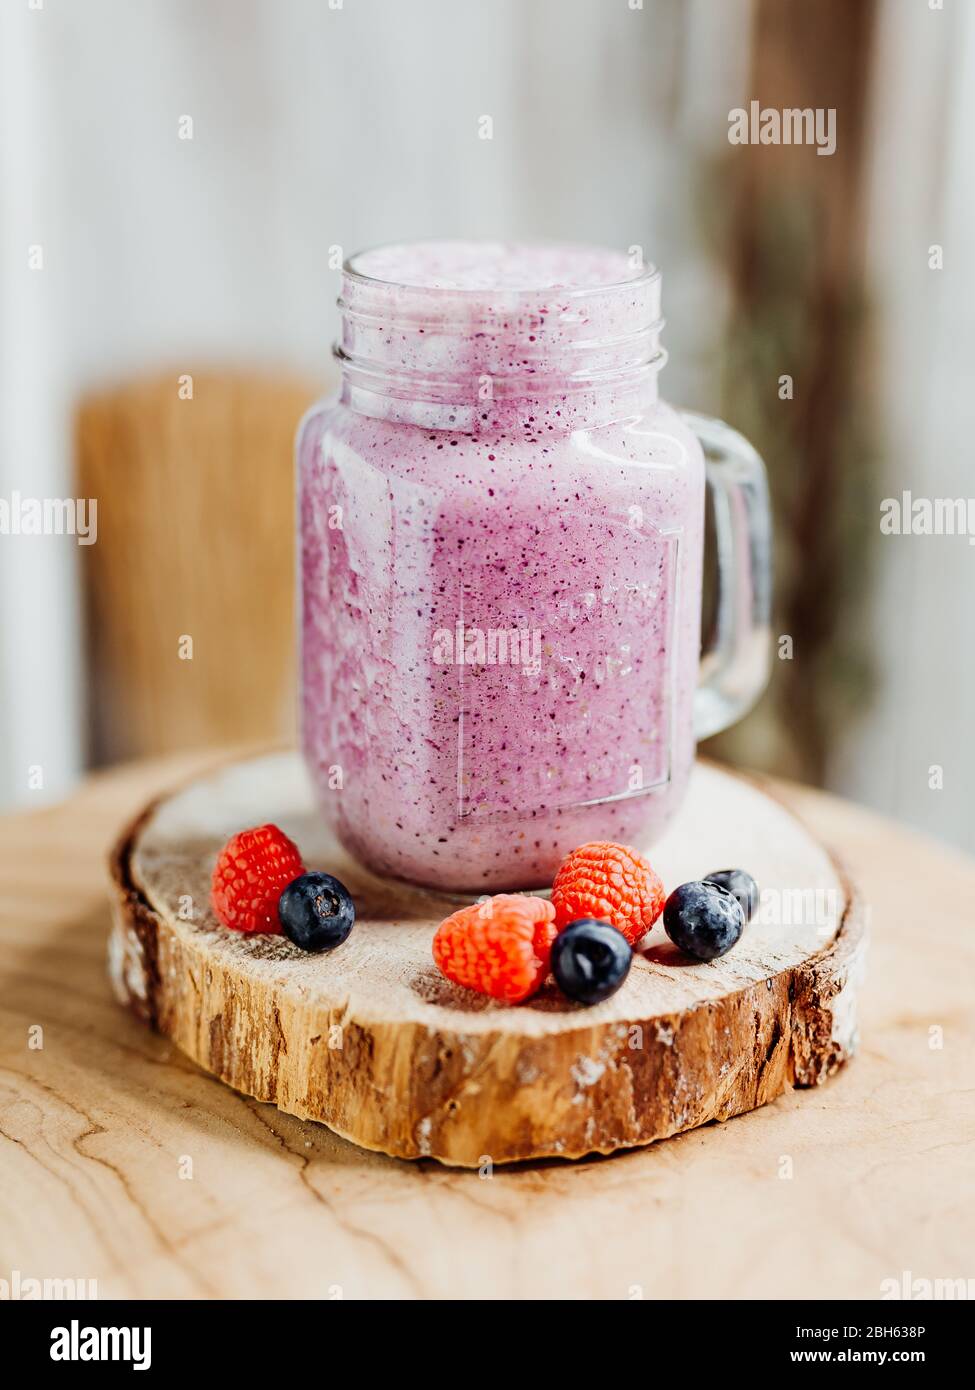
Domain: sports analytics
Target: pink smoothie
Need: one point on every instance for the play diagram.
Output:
(501, 536)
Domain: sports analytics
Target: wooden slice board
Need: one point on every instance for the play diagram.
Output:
(375, 1043)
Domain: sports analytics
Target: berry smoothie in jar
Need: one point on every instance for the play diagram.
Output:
(501, 534)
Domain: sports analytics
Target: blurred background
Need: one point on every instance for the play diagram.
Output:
(179, 180)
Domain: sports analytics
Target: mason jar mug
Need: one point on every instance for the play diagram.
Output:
(501, 552)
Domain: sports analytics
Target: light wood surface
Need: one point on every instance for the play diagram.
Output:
(372, 1040)
(822, 1193)
(189, 592)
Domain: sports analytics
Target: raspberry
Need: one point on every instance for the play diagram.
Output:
(611, 883)
(251, 871)
(499, 947)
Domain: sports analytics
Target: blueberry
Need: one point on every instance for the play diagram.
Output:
(703, 919)
(590, 960)
(316, 912)
(742, 885)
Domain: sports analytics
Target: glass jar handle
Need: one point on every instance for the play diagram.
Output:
(735, 664)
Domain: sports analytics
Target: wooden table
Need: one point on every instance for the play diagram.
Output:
(121, 1162)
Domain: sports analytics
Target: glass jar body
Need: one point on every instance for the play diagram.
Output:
(500, 637)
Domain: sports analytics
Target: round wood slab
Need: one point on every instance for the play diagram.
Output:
(375, 1043)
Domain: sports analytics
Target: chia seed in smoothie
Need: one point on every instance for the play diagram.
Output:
(501, 532)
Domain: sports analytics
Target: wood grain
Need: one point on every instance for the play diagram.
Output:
(794, 256)
(96, 1128)
(374, 1042)
(195, 543)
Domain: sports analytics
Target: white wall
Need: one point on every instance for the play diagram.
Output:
(40, 680)
(922, 615)
(312, 126)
